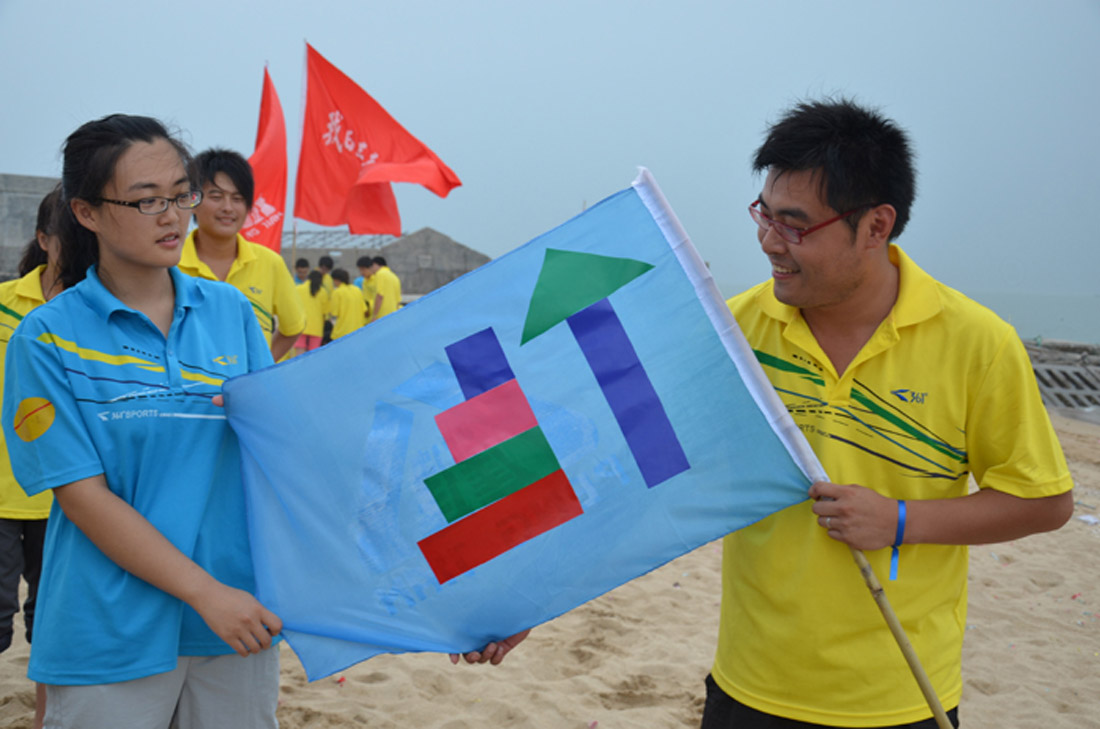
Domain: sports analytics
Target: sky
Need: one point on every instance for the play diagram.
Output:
(544, 108)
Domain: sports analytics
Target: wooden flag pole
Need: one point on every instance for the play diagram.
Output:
(902, 639)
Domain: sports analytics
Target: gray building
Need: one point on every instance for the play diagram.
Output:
(19, 199)
(424, 260)
(427, 259)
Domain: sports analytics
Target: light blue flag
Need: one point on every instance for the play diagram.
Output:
(564, 419)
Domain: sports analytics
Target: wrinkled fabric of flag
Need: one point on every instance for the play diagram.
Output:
(552, 425)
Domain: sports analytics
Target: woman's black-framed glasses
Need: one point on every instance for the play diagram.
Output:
(790, 233)
(157, 205)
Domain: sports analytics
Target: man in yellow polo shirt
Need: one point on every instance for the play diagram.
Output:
(217, 251)
(904, 388)
(387, 288)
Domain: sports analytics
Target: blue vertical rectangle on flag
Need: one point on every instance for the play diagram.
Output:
(479, 363)
(637, 408)
(339, 507)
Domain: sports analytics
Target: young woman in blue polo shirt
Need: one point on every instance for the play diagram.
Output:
(146, 614)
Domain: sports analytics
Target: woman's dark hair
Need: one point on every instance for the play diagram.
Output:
(315, 278)
(33, 255)
(89, 158)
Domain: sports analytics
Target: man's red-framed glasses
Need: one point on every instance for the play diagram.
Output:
(790, 233)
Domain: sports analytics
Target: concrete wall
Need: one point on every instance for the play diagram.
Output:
(19, 199)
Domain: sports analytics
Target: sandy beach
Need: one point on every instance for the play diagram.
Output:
(637, 656)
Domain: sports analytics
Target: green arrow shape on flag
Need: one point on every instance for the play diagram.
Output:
(570, 282)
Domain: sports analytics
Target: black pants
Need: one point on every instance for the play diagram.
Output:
(20, 556)
(722, 712)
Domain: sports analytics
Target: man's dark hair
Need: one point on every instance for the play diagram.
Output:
(326, 262)
(235, 167)
(340, 275)
(364, 262)
(379, 260)
(864, 158)
(301, 263)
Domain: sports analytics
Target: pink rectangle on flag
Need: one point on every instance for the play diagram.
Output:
(486, 420)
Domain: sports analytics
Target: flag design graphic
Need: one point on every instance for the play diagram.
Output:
(561, 420)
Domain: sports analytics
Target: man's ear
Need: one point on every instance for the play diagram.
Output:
(86, 214)
(880, 224)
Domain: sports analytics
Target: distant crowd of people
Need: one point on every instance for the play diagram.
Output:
(336, 306)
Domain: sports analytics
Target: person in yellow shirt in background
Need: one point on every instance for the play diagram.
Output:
(347, 308)
(22, 518)
(369, 286)
(387, 287)
(301, 271)
(324, 265)
(217, 251)
(315, 302)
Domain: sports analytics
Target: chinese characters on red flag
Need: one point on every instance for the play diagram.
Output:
(264, 224)
(352, 149)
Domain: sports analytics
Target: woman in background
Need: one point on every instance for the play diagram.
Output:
(23, 518)
(315, 299)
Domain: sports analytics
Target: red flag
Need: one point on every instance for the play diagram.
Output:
(264, 223)
(352, 149)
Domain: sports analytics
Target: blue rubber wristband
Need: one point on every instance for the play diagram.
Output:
(899, 535)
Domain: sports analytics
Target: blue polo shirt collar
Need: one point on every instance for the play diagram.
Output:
(104, 303)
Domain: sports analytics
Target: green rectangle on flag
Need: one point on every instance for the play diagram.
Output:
(492, 474)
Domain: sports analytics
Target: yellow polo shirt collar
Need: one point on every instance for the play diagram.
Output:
(195, 266)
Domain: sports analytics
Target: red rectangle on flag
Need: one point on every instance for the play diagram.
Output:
(490, 532)
(486, 420)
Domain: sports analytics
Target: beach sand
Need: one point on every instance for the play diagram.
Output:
(637, 656)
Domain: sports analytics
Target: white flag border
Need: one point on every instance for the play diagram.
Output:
(725, 325)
